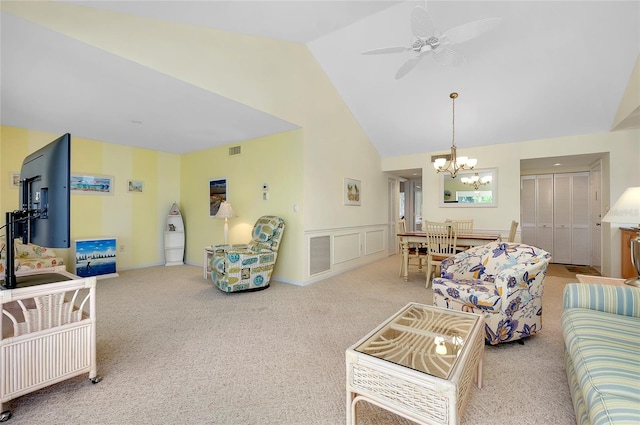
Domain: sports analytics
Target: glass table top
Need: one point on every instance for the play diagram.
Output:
(424, 338)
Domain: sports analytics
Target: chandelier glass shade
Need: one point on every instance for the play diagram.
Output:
(452, 163)
(476, 181)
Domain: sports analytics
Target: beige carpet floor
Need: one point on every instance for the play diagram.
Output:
(173, 349)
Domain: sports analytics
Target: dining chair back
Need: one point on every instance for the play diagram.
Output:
(414, 250)
(464, 226)
(441, 244)
(512, 231)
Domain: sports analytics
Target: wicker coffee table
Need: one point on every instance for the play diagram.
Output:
(418, 364)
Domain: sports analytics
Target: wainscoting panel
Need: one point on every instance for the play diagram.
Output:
(346, 247)
(374, 242)
(333, 251)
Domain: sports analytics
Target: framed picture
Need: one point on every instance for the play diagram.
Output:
(352, 189)
(217, 194)
(15, 179)
(91, 184)
(95, 257)
(135, 186)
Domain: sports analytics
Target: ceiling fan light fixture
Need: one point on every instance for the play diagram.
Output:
(452, 163)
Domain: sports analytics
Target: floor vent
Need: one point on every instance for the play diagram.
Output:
(235, 150)
(319, 254)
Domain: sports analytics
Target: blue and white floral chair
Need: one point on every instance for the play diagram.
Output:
(248, 266)
(503, 281)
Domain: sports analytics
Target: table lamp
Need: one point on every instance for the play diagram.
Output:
(225, 211)
(627, 210)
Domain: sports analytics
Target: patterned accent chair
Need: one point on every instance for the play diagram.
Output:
(248, 266)
(501, 280)
(29, 257)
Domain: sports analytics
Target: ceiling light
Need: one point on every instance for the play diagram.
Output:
(476, 181)
(452, 163)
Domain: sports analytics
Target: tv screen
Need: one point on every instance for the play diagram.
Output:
(45, 196)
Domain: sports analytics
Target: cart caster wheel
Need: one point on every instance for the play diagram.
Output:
(5, 416)
(96, 379)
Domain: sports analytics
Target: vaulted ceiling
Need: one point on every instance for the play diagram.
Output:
(550, 69)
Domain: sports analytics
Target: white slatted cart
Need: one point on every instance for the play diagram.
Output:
(48, 332)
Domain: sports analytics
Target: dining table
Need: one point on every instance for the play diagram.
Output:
(418, 239)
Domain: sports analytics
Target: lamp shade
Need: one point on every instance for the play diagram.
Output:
(225, 210)
(626, 209)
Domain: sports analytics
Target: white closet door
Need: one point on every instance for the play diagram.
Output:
(544, 215)
(562, 218)
(580, 244)
(528, 210)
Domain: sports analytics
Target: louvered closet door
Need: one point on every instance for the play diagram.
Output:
(562, 218)
(528, 210)
(544, 215)
(580, 243)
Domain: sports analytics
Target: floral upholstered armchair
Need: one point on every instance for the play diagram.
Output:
(248, 267)
(29, 257)
(503, 281)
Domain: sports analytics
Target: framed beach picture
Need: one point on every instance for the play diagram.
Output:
(352, 190)
(91, 184)
(217, 195)
(95, 257)
(135, 186)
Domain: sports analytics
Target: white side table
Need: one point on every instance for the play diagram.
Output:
(206, 268)
(208, 254)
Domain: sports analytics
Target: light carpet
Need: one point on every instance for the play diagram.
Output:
(173, 349)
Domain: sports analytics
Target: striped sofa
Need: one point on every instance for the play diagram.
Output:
(601, 331)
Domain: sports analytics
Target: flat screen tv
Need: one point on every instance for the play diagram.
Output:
(44, 214)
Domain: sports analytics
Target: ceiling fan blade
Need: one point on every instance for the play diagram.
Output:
(470, 30)
(446, 56)
(387, 50)
(408, 66)
(421, 23)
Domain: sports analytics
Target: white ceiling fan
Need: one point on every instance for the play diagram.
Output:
(428, 39)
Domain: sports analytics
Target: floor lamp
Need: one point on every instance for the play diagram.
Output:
(627, 210)
(225, 211)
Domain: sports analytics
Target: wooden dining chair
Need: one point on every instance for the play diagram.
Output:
(441, 244)
(512, 231)
(415, 252)
(464, 226)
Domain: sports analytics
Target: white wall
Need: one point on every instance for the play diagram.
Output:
(624, 155)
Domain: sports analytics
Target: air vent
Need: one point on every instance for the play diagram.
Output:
(319, 254)
(235, 150)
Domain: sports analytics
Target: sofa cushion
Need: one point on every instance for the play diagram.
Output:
(603, 349)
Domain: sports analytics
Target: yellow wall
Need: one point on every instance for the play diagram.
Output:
(275, 160)
(135, 219)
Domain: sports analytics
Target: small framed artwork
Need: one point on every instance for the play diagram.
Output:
(15, 179)
(135, 186)
(352, 190)
(217, 194)
(91, 184)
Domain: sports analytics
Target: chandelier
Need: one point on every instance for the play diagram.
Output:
(452, 163)
(476, 181)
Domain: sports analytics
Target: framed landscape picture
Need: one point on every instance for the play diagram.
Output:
(91, 184)
(217, 195)
(135, 186)
(352, 189)
(95, 257)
